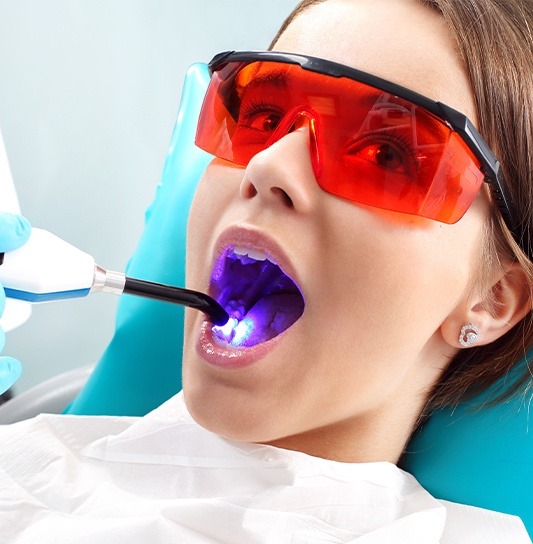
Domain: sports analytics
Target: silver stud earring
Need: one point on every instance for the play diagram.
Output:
(469, 335)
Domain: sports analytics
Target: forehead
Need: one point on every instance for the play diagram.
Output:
(400, 40)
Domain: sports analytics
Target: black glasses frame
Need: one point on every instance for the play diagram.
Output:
(457, 121)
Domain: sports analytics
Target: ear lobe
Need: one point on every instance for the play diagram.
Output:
(495, 311)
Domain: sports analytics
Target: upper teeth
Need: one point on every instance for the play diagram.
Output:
(252, 253)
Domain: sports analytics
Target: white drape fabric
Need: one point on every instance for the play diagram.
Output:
(164, 479)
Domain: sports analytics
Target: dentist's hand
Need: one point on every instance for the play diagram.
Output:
(14, 232)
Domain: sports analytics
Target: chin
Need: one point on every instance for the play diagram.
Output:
(230, 413)
(225, 421)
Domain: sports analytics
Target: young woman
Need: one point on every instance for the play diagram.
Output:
(373, 254)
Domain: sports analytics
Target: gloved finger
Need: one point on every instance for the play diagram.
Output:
(10, 371)
(14, 231)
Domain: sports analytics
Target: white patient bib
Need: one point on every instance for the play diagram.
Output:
(164, 479)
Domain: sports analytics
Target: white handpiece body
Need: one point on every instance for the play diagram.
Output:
(46, 268)
(16, 312)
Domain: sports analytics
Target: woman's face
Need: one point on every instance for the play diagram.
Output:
(377, 285)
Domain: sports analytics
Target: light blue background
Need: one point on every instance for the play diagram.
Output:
(88, 97)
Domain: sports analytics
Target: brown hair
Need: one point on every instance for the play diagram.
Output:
(494, 39)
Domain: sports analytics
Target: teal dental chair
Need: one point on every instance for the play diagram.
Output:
(482, 457)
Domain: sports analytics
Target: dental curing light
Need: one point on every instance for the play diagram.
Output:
(47, 268)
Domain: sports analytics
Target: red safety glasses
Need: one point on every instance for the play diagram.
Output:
(371, 141)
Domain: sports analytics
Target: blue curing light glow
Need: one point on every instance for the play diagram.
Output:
(225, 332)
(242, 331)
(235, 332)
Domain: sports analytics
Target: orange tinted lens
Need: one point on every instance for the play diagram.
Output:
(373, 148)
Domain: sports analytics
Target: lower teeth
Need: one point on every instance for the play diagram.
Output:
(225, 334)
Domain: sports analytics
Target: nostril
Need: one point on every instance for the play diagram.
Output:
(287, 200)
(249, 190)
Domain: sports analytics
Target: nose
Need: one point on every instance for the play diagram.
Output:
(282, 174)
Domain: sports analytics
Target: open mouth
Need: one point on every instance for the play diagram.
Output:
(261, 300)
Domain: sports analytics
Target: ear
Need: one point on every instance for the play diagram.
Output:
(495, 311)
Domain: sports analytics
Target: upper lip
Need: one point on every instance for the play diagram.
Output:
(253, 238)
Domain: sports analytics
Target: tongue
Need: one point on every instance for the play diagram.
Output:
(272, 315)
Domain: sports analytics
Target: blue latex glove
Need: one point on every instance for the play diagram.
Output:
(14, 232)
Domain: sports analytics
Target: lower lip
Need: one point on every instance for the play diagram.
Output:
(226, 357)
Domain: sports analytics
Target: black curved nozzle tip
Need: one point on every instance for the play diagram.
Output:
(178, 295)
(217, 314)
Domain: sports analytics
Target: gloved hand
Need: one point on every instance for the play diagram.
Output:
(14, 232)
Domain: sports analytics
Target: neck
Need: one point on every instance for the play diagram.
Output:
(358, 440)
(378, 434)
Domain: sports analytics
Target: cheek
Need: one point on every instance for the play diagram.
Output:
(391, 287)
(203, 202)
(212, 197)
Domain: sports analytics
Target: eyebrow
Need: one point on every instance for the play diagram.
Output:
(276, 78)
(280, 80)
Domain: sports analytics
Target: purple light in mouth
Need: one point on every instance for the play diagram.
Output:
(261, 300)
(235, 332)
